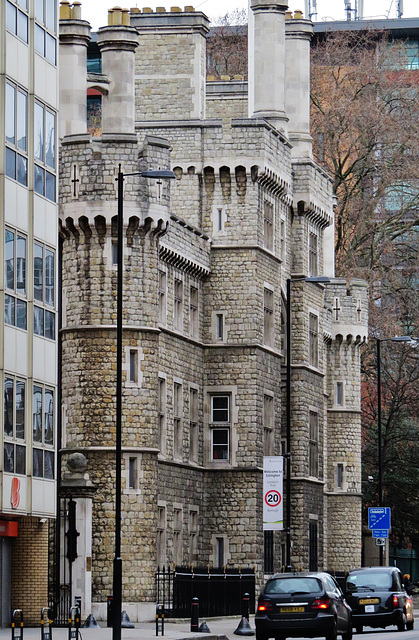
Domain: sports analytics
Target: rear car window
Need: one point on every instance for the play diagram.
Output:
(369, 580)
(294, 585)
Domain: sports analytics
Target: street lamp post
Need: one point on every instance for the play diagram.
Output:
(379, 425)
(318, 280)
(117, 562)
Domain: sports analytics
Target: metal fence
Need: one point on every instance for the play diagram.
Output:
(61, 608)
(220, 591)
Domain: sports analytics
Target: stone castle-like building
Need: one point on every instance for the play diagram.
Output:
(206, 264)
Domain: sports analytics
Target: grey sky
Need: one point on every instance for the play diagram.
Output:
(95, 11)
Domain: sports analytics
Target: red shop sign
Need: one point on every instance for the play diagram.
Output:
(8, 528)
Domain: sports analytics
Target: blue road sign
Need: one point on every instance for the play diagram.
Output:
(379, 518)
(380, 533)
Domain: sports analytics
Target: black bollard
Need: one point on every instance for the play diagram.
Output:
(159, 619)
(195, 614)
(245, 606)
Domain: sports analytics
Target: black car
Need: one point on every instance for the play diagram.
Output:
(295, 605)
(378, 599)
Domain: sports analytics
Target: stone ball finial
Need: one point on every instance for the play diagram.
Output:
(77, 463)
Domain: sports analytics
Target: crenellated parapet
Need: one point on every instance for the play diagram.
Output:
(347, 307)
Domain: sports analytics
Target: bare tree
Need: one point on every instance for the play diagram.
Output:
(227, 45)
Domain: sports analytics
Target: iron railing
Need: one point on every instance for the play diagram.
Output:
(220, 591)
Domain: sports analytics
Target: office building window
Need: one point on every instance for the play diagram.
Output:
(44, 151)
(133, 366)
(193, 425)
(313, 469)
(17, 18)
(340, 470)
(178, 304)
(313, 340)
(43, 412)
(219, 542)
(161, 409)
(220, 427)
(45, 29)
(193, 312)
(162, 297)
(44, 291)
(177, 420)
(177, 536)
(16, 130)
(313, 256)
(268, 317)
(14, 448)
(15, 279)
(219, 328)
(268, 425)
(268, 228)
(339, 394)
(161, 536)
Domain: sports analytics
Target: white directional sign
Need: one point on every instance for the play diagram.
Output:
(273, 475)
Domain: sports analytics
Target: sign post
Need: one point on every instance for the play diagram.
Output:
(273, 479)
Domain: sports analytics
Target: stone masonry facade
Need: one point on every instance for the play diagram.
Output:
(206, 264)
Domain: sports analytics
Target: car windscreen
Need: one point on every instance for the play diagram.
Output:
(295, 585)
(369, 580)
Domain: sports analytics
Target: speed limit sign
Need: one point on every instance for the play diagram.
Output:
(272, 498)
(273, 473)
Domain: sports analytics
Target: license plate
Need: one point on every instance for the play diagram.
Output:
(292, 609)
(369, 608)
(369, 601)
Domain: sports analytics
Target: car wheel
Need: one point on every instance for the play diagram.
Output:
(359, 629)
(348, 634)
(401, 626)
(332, 634)
(410, 625)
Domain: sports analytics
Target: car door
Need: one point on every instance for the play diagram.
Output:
(339, 600)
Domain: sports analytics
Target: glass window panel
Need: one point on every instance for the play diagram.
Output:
(220, 409)
(20, 460)
(49, 465)
(23, 3)
(8, 459)
(22, 120)
(50, 15)
(38, 276)
(50, 48)
(10, 163)
(20, 409)
(39, 180)
(50, 325)
(11, 17)
(37, 414)
(21, 313)
(8, 407)
(9, 260)
(39, 132)
(49, 416)
(220, 438)
(49, 277)
(39, 10)
(38, 321)
(50, 186)
(22, 170)
(21, 265)
(10, 113)
(22, 26)
(37, 470)
(9, 310)
(50, 139)
(39, 40)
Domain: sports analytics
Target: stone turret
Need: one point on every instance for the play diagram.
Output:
(297, 85)
(74, 39)
(267, 62)
(117, 43)
(170, 64)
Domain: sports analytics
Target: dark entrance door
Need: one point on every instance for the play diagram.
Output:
(5, 581)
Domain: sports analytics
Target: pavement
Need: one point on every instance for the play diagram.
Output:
(220, 629)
